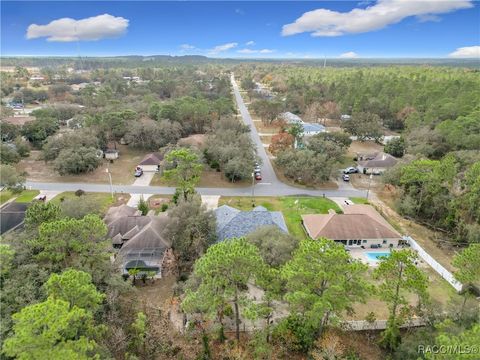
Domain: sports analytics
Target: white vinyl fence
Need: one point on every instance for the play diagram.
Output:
(444, 273)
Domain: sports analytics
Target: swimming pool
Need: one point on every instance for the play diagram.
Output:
(374, 256)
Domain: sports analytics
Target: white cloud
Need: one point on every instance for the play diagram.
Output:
(187, 47)
(67, 29)
(349, 55)
(252, 51)
(250, 43)
(324, 22)
(223, 47)
(466, 52)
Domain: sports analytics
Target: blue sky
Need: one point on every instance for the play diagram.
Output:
(434, 28)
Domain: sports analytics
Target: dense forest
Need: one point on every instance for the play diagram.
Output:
(434, 109)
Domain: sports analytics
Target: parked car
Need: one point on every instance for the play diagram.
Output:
(257, 168)
(346, 177)
(138, 172)
(350, 170)
(258, 175)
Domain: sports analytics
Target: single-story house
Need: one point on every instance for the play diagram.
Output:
(310, 129)
(234, 223)
(290, 118)
(151, 162)
(139, 239)
(359, 225)
(375, 163)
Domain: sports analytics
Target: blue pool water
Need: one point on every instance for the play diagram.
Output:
(375, 255)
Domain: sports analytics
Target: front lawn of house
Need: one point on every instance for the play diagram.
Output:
(103, 200)
(291, 207)
(24, 197)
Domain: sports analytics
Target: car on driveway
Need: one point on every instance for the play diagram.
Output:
(138, 172)
(350, 170)
(346, 177)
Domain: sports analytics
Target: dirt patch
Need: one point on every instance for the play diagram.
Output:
(197, 140)
(121, 169)
(364, 147)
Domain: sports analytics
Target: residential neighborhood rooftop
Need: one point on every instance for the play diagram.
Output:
(233, 223)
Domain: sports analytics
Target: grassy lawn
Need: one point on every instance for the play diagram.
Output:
(104, 200)
(24, 197)
(208, 178)
(291, 207)
(359, 200)
(5, 195)
(27, 196)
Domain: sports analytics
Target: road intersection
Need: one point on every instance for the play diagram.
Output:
(269, 186)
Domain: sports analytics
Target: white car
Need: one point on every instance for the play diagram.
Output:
(346, 177)
(350, 170)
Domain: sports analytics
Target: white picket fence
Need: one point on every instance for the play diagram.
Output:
(444, 273)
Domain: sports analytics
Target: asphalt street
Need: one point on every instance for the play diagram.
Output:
(269, 186)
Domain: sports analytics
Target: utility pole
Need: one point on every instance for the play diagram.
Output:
(369, 181)
(110, 178)
(253, 188)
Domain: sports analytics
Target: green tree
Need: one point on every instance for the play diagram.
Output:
(296, 130)
(468, 265)
(224, 273)
(75, 287)
(40, 212)
(139, 334)
(80, 244)
(365, 126)
(191, 228)
(323, 281)
(52, 330)
(184, 170)
(11, 179)
(399, 276)
(305, 166)
(465, 340)
(8, 154)
(143, 206)
(77, 160)
(6, 258)
(395, 147)
(275, 246)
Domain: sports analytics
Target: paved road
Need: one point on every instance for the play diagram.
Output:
(269, 186)
(260, 190)
(268, 175)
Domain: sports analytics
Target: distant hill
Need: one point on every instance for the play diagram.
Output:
(133, 61)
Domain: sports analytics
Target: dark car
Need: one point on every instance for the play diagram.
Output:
(258, 175)
(138, 172)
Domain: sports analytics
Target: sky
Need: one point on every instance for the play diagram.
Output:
(247, 29)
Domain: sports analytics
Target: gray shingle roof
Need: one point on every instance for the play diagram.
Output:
(232, 223)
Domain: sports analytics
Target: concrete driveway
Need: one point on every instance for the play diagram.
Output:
(145, 179)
